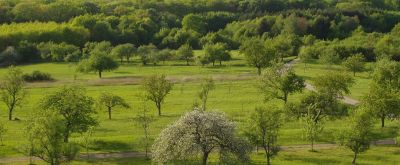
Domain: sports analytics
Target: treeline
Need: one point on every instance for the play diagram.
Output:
(344, 26)
(63, 10)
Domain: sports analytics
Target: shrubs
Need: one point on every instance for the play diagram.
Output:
(37, 76)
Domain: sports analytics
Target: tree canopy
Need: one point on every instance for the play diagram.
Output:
(199, 133)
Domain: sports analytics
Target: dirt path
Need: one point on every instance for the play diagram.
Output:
(345, 99)
(11, 160)
(135, 80)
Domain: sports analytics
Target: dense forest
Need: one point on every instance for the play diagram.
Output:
(199, 81)
(56, 30)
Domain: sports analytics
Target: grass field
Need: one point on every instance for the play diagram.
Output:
(389, 155)
(236, 96)
(362, 80)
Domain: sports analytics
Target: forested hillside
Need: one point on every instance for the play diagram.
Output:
(340, 27)
(140, 82)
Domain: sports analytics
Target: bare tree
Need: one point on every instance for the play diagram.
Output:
(143, 120)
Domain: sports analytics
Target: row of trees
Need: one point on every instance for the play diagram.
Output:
(48, 42)
(148, 23)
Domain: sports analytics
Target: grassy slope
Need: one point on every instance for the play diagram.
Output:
(362, 79)
(236, 98)
(338, 156)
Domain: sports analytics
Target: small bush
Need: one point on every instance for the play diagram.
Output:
(37, 76)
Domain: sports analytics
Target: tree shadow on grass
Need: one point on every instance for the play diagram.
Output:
(118, 161)
(313, 160)
(383, 133)
(122, 72)
(101, 145)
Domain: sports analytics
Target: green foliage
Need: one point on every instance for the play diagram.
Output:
(355, 63)
(87, 139)
(45, 137)
(12, 91)
(165, 55)
(318, 106)
(185, 52)
(387, 46)
(219, 37)
(157, 88)
(329, 57)
(206, 86)
(358, 134)
(51, 51)
(279, 82)
(334, 84)
(198, 133)
(27, 52)
(263, 128)
(295, 25)
(148, 53)
(382, 102)
(9, 56)
(257, 54)
(216, 52)
(386, 74)
(175, 38)
(194, 22)
(73, 106)
(110, 101)
(98, 60)
(306, 55)
(12, 34)
(36, 76)
(124, 51)
(313, 126)
(104, 46)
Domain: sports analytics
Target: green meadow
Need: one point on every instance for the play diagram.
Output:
(236, 94)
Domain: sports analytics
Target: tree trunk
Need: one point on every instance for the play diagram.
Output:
(266, 148)
(213, 63)
(205, 158)
(383, 121)
(354, 73)
(187, 62)
(354, 158)
(66, 136)
(220, 63)
(285, 98)
(121, 60)
(10, 111)
(259, 70)
(312, 145)
(305, 67)
(109, 113)
(204, 104)
(159, 108)
(99, 74)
